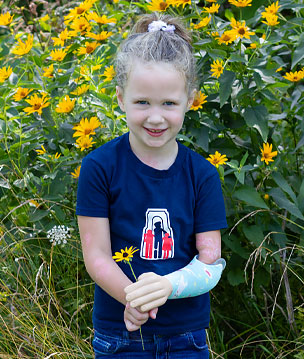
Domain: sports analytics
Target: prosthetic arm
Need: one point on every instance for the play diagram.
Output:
(152, 290)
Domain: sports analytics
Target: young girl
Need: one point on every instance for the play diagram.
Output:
(147, 191)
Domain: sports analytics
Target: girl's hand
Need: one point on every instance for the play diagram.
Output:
(134, 318)
(150, 291)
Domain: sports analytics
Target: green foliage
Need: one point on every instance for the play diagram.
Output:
(45, 294)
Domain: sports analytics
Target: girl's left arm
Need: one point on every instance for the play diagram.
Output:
(153, 290)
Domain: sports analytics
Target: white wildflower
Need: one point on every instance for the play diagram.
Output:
(58, 235)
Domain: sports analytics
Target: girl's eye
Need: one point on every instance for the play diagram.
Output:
(169, 103)
(142, 102)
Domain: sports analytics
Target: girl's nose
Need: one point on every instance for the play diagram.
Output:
(155, 117)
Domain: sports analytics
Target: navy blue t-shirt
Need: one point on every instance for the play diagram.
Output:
(158, 212)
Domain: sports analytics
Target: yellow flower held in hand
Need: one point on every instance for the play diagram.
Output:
(37, 103)
(125, 254)
(66, 105)
(158, 5)
(84, 142)
(5, 73)
(217, 159)
(267, 153)
(199, 100)
(76, 172)
(217, 68)
(86, 127)
(23, 47)
(6, 19)
(21, 93)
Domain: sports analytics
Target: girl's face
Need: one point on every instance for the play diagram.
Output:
(155, 101)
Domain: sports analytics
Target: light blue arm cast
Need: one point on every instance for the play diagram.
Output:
(196, 278)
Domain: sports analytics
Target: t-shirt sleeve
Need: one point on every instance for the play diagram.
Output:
(210, 212)
(93, 190)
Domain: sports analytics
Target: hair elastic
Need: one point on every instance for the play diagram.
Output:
(160, 26)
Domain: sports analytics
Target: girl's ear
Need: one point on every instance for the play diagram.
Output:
(191, 99)
(119, 95)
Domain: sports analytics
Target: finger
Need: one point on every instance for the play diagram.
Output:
(140, 283)
(147, 275)
(131, 326)
(153, 313)
(155, 304)
(143, 291)
(146, 299)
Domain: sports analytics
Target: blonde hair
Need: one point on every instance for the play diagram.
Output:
(157, 46)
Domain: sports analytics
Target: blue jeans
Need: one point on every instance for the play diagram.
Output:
(128, 345)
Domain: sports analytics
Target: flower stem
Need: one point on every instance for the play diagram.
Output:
(142, 341)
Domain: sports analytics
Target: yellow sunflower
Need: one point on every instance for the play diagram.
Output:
(102, 20)
(76, 172)
(240, 29)
(21, 93)
(37, 103)
(86, 127)
(213, 9)
(227, 37)
(88, 48)
(271, 9)
(217, 68)
(204, 22)
(267, 154)
(101, 36)
(23, 47)
(271, 20)
(109, 73)
(180, 2)
(84, 142)
(125, 255)
(294, 76)
(199, 100)
(42, 151)
(80, 25)
(5, 73)
(217, 159)
(48, 71)
(58, 55)
(240, 3)
(80, 90)
(79, 11)
(66, 105)
(158, 5)
(63, 36)
(6, 19)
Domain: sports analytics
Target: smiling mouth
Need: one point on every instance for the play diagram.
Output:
(155, 132)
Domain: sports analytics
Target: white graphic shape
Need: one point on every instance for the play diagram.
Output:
(157, 236)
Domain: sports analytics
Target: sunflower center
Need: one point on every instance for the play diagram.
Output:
(79, 11)
(89, 49)
(226, 37)
(241, 31)
(196, 102)
(125, 255)
(37, 106)
(87, 131)
(163, 5)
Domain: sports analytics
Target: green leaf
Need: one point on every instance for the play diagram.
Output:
(226, 81)
(283, 202)
(37, 215)
(250, 196)
(257, 117)
(254, 234)
(298, 54)
(236, 276)
(283, 184)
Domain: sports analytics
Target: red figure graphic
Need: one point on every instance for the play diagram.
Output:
(167, 245)
(148, 240)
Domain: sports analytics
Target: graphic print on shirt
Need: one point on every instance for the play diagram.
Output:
(157, 236)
